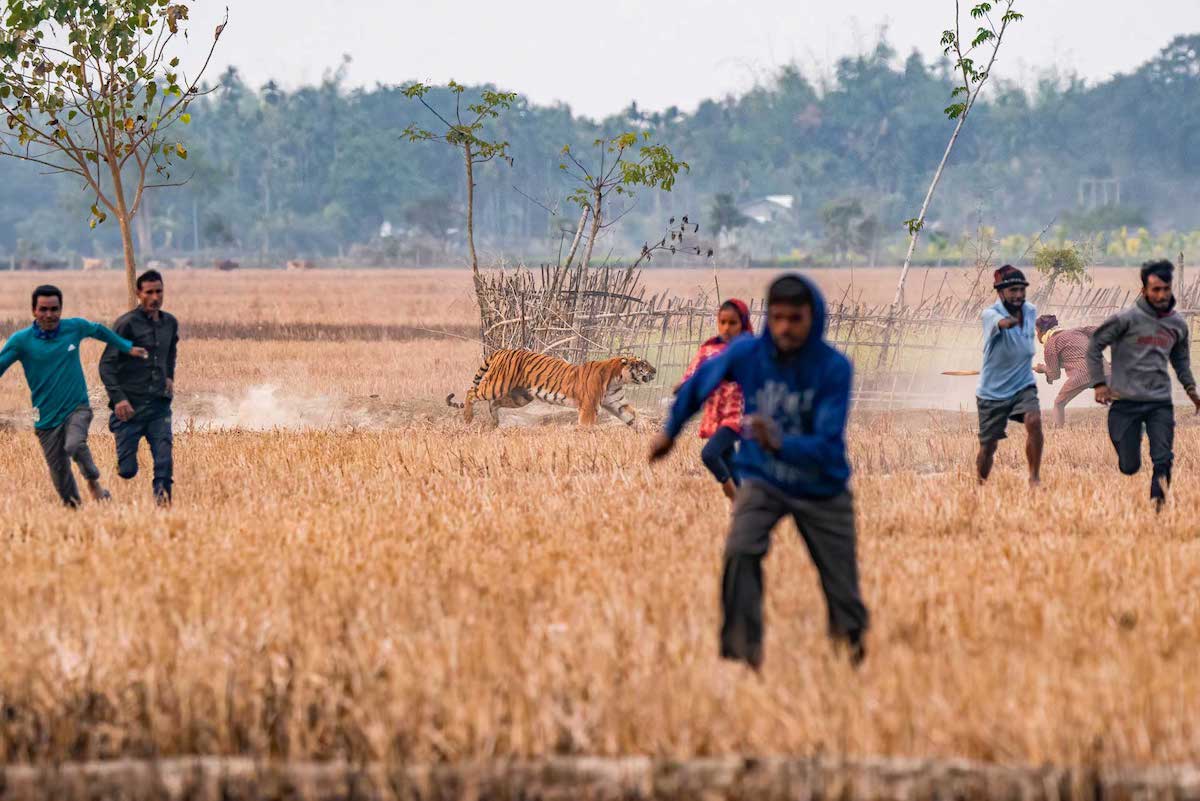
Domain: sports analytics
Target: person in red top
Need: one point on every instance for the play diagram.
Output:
(721, 424)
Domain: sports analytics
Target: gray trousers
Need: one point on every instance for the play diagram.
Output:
(827, 527)
(67, 443)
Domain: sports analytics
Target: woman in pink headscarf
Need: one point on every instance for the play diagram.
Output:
(721, 424)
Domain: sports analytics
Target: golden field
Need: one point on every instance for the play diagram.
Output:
(379, 581)
(436, 297)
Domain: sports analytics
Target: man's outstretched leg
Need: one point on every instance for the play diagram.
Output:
(52, 440)
(993, 420)
(985, 459)
(755, 512)
(1034, 443)
(78, 423)
(158, 434)
(828, 529)
(1160, 428)
(127, 433)
(1125, 432)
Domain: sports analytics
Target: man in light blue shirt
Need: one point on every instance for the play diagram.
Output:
(1007, 387)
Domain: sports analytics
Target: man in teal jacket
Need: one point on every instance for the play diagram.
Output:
(49, 352)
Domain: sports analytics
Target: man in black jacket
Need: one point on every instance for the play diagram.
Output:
(140, 390)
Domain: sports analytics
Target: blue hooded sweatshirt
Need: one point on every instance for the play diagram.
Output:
(807, 394)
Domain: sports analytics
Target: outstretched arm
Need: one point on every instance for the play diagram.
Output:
(1105, 335)
(1181, 360)
(109, 336)
(692, 395)
(994, 322)
(109, 369)
(695, 391)
(9, 355)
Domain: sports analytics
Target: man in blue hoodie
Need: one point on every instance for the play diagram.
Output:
(792, 461)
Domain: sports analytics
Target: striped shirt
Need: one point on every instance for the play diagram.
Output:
(1067, 351)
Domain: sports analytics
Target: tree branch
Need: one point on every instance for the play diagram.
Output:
(55, 168)
(535, 202)
(435, 113)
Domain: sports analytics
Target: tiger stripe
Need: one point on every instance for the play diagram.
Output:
(513, 378)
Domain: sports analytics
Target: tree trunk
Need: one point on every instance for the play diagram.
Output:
(1182, 301)
(580, 341)
(916, 234)
(596, 221)
(266, 248)
(471, 211)
(578, 236)
(123, 219)
(130, 264)
(142, 225)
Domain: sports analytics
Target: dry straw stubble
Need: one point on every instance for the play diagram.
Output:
(437, 593)
(400, 586)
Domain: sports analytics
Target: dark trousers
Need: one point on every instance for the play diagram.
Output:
(156, 428)
(67, 443)
(828, 529)
(718, 452)
(1126, 419)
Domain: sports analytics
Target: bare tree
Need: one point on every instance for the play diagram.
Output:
(987, 41)
(462, 131)
(88, 89)
(621, 166)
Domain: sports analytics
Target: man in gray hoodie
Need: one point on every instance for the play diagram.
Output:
(1144, 337)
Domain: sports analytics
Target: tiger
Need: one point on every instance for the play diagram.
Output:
(510, 379)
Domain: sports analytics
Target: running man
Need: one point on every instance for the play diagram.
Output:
(1007, 387)
(1144, 338)
(1064, 351)
(49, 353)
(792, 461)
(140, 392)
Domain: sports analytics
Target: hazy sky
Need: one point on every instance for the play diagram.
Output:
(598, 56)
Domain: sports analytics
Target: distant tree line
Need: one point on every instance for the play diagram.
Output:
(323, 170)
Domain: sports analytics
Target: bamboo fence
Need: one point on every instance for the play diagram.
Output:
(899, 353)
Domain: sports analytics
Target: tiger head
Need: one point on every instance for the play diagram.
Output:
(637, 371)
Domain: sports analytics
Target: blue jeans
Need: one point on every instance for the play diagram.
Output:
(718, 452)
(156, 428)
